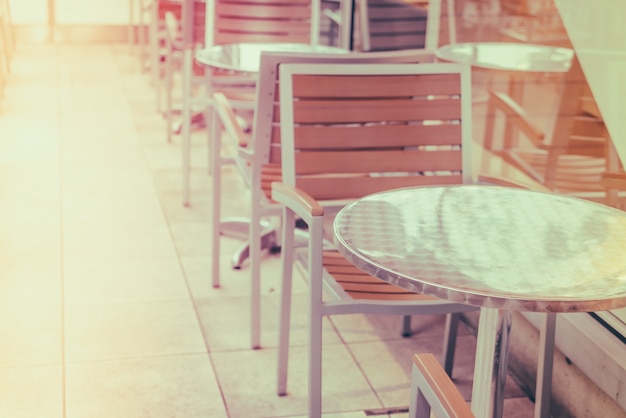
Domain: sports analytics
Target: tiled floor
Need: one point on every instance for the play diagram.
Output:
(106, 307)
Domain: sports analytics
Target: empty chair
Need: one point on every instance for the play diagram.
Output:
(248, 21)
(532, 21)
(433, 390)
(397, 24)
(348, 131)
(572, 159)
(258, 158)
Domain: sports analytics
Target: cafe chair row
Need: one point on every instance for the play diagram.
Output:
(259, 21)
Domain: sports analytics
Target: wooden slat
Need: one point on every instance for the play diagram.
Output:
(377, 161)
(227, 38)
(395, 42)
(264, 11)
(389, 296)
(262, 26)
(330, 188)
(355, 111)
(328, 137)
(305, 86)
(398, 27)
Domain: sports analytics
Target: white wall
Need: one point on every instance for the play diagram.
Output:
(598, 32)
(115, 12)
(109, 12)
(29, 12)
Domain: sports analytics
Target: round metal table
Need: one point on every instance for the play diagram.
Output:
(501, 249)
(246, 57)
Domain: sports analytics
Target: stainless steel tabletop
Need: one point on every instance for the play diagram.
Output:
(246, 57)
(491, 246)
(508, 56)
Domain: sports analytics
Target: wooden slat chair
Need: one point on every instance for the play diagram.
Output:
(348, 131)
(572, 159)
(251, 21)
(386, 25)
(258, 159)
(432, 390)
(532, 21)
(171, 12)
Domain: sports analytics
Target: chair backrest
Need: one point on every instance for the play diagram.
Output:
(570, 159)
(266, 125)
(399, 24)
(350, 130)
(236, 21)
(174, 7)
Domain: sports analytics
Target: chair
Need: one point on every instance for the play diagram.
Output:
(398, 24)
(432, 389)
(170, 12)
(236, 21)
(571, 160)
(348, 131)
(257, 158)
(532, 21)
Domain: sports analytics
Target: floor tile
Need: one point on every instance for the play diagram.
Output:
(131, 330)
(30, 284)
(124, 208)
(248, 380)
(151, 387)
(124, 281)
(27, 392)
(110, 240)
(226, 322)
(30, 337)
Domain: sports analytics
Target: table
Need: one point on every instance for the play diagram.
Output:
(246, 57)
(515, 59)
(501, 249)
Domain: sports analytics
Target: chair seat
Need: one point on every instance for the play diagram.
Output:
(573, 173)
(360, 285)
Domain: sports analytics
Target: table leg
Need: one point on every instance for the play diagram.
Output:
(544, 366)
(490, 370)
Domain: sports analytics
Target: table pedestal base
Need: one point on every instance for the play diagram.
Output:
(492, 352)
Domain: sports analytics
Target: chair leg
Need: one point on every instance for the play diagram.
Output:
(255, 268)
(315, 316)
(418, 405)
(449, 342)
(406, 326)
(216, 205)
(315, 364)
(285, 307)
(169, 85)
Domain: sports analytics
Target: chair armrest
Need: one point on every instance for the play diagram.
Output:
(518, 116)
(613, 180)
(508, 182)
(297, 200)
(229, 119)
(437, 388)
(333, 16)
